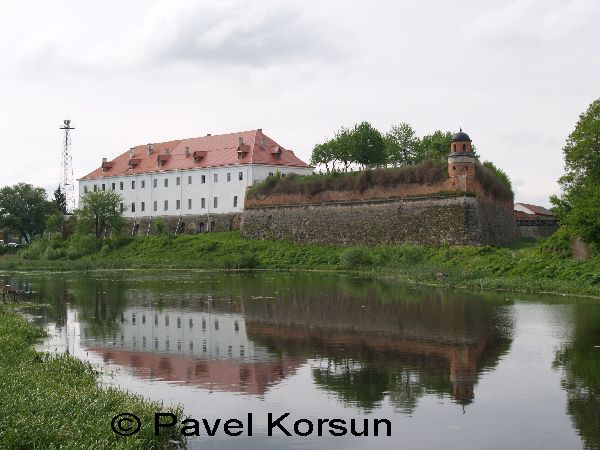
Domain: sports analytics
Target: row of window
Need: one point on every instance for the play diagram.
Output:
(178, 204)
(113, 186)
(242, 351)
(236, 325)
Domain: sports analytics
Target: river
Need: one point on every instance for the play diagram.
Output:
(445, 368)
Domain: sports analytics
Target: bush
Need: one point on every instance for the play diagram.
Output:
(81, 245)
(353, 258)
(160, 226)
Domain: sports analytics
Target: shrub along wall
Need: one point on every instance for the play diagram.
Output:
(454, 220)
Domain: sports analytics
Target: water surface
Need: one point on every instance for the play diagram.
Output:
(448, 369)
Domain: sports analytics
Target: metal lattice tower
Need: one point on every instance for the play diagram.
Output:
(66, 168)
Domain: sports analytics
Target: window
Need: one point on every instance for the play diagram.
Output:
(155, 205)
(203, 203)
(189, 179)
(166, 182)
(177, 204)
(235, 201)
(114, 186)
(85, 189)
(133, 207)
(270, 174)
(178, 181)
(143, 206)
(155, 182)
(121, 207)
(203, 179)
(120, 185)
(95, 188)
(103, 187)
(216, 177)
(132, 184)
(166, 205)
(189, 203)
(228, 177)
(277, 155)
(240, 176)
(143, 184)
(215, 202)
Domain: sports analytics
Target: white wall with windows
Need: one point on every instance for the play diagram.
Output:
(217, 190)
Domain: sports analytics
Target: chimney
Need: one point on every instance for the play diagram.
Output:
(259, 130)
(208, 134)
(150, 149)
(187, 152)
(132, 152)
(104, 161)
(166, 151)
(241, 140)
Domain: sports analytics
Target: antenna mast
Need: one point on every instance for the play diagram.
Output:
(66, 166)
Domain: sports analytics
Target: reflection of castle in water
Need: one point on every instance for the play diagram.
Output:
(205, 348)
(358, 336)
(446, 343)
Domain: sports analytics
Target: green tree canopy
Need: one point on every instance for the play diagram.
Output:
(23, 209)
(100, 212)
(434, 146)
(367, 144)
(60, 200)
(401, 145)
(578, 208)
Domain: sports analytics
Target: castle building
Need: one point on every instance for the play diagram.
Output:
(197, 179)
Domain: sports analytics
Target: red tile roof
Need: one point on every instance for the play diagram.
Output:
(537, 209)
(206, 151)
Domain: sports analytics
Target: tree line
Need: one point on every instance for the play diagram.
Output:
(26, 211)
(366, 146)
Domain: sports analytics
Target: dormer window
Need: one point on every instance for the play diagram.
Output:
(134, 162)
(106, 165)
(162, 159)
(199, 155)
(242, 150)
(276, 152)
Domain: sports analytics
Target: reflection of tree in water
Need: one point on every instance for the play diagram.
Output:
(366, 385)
(580, 361)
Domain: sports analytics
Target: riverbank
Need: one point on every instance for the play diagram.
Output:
(528, 267)
(53, 401)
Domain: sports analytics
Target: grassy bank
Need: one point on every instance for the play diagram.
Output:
(55, 402)
(530, 267)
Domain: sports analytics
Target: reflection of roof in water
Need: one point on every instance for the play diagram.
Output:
(223, 375)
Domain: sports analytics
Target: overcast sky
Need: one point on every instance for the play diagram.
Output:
(516, 74)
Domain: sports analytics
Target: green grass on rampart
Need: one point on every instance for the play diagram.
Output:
(53, 401)
(530, 266)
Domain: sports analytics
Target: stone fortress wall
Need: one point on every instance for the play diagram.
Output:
(458, 211)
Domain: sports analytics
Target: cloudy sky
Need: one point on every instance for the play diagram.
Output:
(515, 73)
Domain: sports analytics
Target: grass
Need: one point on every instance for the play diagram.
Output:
(54, 401)
(426, 172)
(529, 267)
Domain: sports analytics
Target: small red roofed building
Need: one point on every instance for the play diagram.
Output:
(535, 221)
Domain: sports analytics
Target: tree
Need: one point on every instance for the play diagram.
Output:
(401, 145)
(367, 145)
(434, 146)
(23, 209)
(60, 200)
(101, 212)
(578, 208)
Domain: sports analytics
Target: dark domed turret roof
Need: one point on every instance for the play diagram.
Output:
(461, 136)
